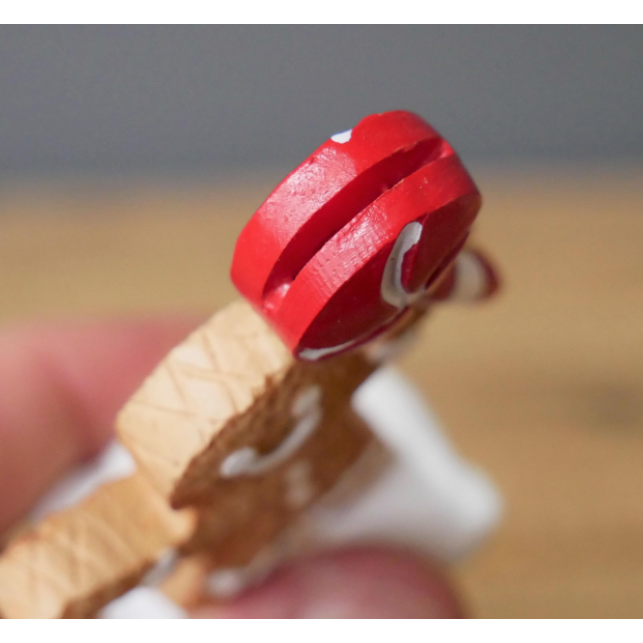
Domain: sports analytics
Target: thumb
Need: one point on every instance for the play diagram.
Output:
(358, 583)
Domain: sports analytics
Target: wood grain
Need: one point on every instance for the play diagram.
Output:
(543, 388)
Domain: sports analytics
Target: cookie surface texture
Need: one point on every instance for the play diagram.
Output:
(76, 561)
(228, 403)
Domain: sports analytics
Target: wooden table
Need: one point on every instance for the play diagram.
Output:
(543, 388)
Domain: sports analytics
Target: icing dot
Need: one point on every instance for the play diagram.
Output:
(307, 401)
(238, 462)
(225, 583)
(299, 487)
(342, 137)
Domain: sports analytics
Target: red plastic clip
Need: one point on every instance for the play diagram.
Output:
(355, 234)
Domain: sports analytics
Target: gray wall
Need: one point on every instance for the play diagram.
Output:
(120, 99)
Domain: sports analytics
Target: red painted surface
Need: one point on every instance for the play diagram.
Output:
(313, 259)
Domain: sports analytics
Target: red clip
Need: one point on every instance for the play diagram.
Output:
(350, 238)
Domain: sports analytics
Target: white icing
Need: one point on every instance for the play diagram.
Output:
(470, 278)
(299, 487)
(226, 583)
(238, 462)
(307, 401)
(247, 461)
(231, 581)
(342, 137)
(392, 290)
(313, 354)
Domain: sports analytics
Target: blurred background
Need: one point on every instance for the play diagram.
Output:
(184, 99)
(131, 157)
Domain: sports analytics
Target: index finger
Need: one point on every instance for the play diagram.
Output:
(61, 386)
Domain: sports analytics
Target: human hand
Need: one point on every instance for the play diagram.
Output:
(60, 388)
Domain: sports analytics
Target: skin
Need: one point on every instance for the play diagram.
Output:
(60, 388)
